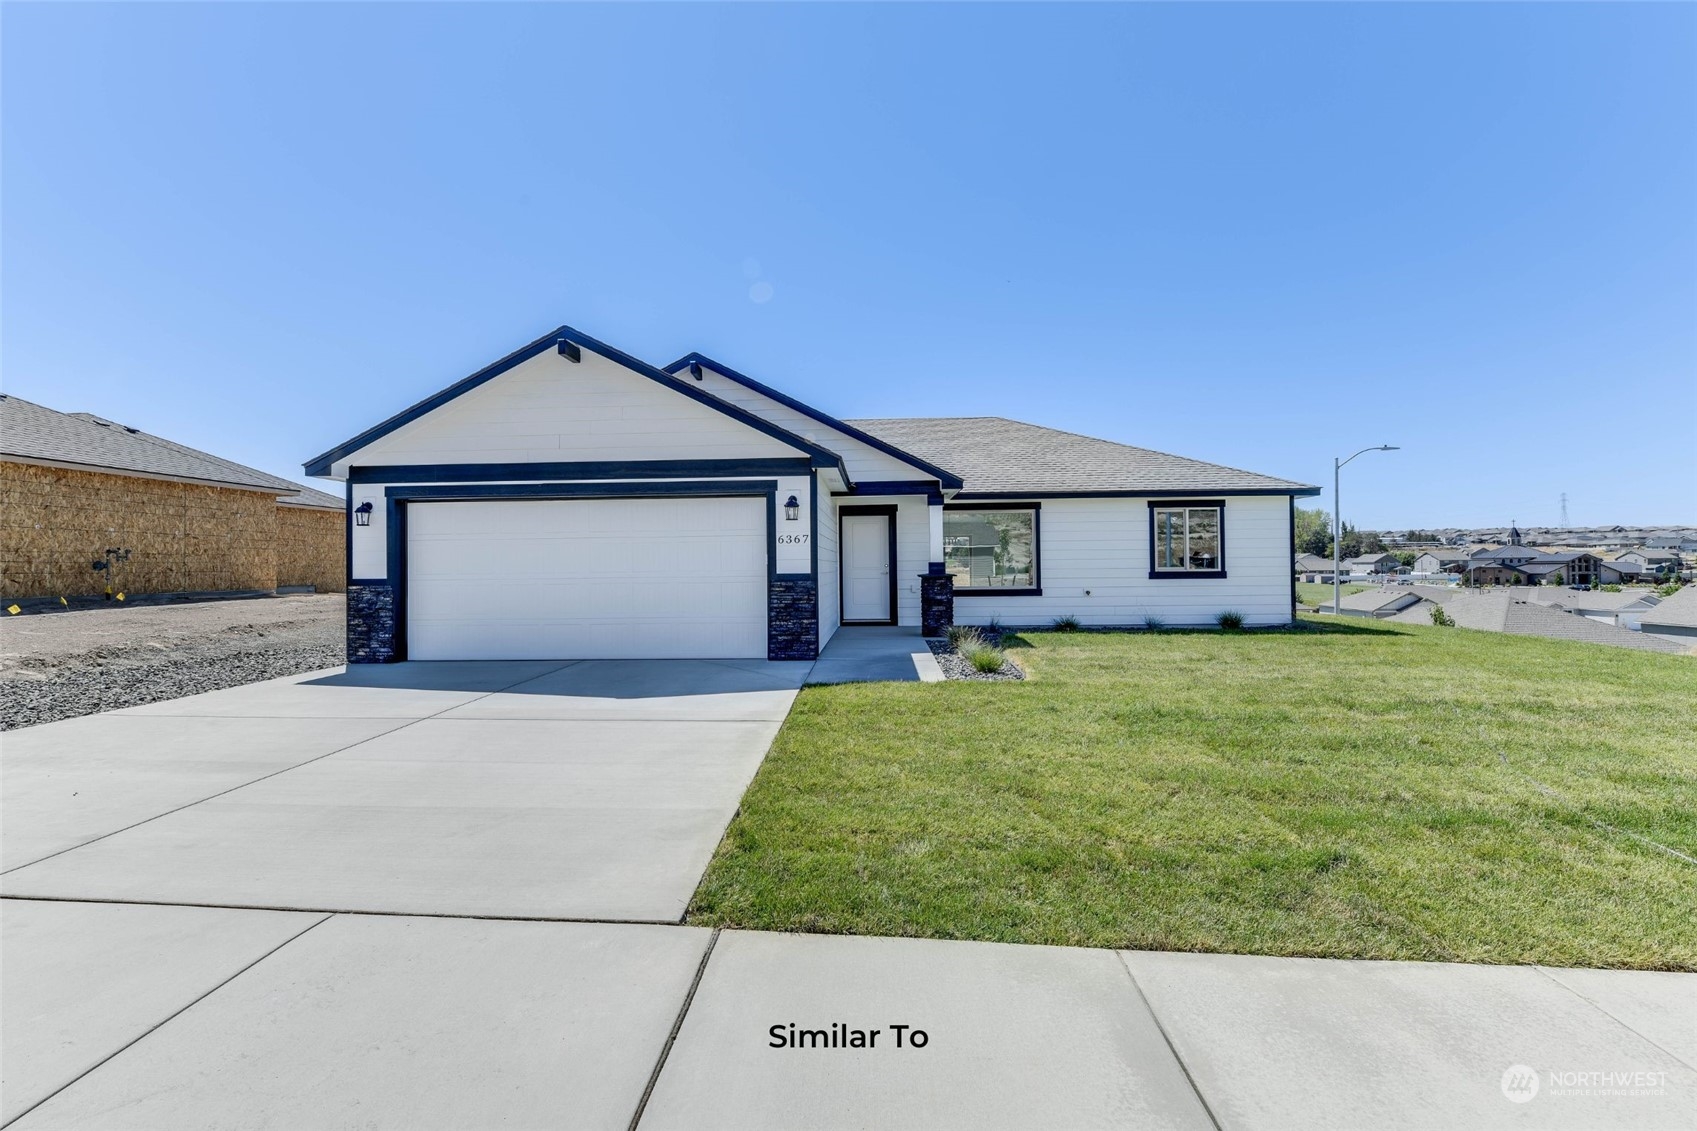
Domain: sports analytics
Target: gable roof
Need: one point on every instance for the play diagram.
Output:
(567, 341)
(1502, 612)
(1372, 600)
(1678, 609)
(33, 432)
(1000, 458)
(948, 479)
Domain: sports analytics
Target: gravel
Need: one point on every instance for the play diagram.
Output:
(955, 666)
(61, 665)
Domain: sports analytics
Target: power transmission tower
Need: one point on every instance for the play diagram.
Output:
(1564, 508)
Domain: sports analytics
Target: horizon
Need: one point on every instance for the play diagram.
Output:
(1136, 223)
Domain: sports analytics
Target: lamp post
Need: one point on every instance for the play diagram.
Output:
(1337, 522)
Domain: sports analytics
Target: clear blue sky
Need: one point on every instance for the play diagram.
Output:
(1259, 235)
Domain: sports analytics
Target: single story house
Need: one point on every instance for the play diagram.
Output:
(1439, 561)
(1501, 611)
(1312, 568)
(1674, 617)
(1373, 563)
(571, 501)
(1621, 571)
(1383, 602)
(157, 516)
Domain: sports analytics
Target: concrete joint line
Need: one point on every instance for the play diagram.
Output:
(1167, 1037)
(165, 1021)
(671, 1038)
(263, 777)
(342, 911)
(1604, 1011)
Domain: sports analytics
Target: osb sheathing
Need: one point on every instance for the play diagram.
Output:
(311, 548)
(55, 522)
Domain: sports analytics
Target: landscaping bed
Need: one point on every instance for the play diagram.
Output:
(1341, 790)
(58, 665)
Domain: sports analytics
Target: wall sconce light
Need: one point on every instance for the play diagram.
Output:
(792, 509)
(362, 514)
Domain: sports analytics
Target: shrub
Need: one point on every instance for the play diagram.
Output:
(963, 636)
(1441, 618)
(1230, 620)
(993, 627)
(1066, 624)
(1153, 622)
(1608, 589)
(985, 658)
(1669, 590)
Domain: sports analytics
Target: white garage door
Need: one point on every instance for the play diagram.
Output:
(586, 579)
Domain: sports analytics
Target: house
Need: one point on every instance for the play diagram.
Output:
(1439, 561)
(1382, 602)
(1621, 571)
(1597, 604)
(1674, 618)
(1661, 563)
(1373, 563)
(1501, 611)
(75, 487)
(1313, 568)
(572, 501)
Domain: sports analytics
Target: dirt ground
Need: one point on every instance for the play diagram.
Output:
(60, 665)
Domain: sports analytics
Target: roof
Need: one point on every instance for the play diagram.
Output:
(1595, 600)
(1312, 561)
(997, 457)
(1678, 609)
(315, 499)
(1372, 600)
(29, 431)
(1501, 612)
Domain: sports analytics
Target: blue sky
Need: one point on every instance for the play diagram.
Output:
(1260, 235)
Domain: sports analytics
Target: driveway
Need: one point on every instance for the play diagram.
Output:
(594, 790)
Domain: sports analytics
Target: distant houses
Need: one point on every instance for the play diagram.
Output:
(1517, 560)
(1673, 618)
(1557, 614)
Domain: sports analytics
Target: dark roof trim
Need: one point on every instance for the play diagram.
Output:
(949, 480)
(1164, 493)
(822, 457)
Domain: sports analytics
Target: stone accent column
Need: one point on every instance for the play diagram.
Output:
(371, 624)
(936, 600)
(792, 618)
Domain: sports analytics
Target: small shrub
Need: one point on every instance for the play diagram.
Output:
(1230, 620)
(985, 658)
(1669, 590)
(962, 636)
(1066, 624)
(993, 627)
(1441, 618)
(1608, 589)
(1153, 623)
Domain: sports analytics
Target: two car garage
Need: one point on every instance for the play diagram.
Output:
(599, 578)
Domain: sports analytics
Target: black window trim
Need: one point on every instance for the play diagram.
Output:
(1036, 510)
(1185, 504)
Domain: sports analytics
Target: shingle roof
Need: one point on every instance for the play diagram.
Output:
(34, 432)
(1006, 457)
(1679, 608)
(1501, 612)
(1371, 600)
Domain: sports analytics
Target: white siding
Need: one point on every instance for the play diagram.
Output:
(864, 462)
(829, 613)
(1102, 545)
(549, 409)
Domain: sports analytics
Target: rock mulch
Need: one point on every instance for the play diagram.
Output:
(954, 665)
(61, 665)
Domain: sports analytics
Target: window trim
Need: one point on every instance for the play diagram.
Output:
(1036, 509)
(1185, 504)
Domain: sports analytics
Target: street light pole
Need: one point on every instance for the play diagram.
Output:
(1337, 522)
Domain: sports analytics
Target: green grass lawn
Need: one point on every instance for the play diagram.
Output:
(1359, 790)
(1314, 595)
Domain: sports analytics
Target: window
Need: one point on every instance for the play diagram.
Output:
(993, 550)
(1187, 539)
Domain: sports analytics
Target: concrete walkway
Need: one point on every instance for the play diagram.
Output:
(876, 654)
(364, 899)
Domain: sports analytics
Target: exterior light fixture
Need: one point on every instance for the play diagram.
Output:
(792, 509)
(362, 514)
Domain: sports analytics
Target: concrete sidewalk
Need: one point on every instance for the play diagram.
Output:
(876, 654)
(183, 1018)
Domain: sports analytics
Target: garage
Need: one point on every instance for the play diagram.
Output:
(603, 578)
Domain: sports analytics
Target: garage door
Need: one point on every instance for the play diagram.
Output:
(586, 579)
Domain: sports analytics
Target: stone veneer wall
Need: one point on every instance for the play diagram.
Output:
(936, 603)
(371, 624)
(792, 611)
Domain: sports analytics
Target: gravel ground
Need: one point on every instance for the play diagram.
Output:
(61, 665)
(954, 667)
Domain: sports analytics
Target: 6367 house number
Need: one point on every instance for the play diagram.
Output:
(792, 539)
(839, 1035)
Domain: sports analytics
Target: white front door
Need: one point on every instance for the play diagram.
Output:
(866, 568)
(569, 579)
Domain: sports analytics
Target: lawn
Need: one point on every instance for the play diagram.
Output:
(1343, 790)
(1308, 593)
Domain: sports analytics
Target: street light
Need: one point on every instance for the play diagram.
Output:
(1337, 523)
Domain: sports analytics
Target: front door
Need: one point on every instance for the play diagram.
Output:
(867, 593)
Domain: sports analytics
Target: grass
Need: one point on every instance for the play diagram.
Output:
(1361, 791)
(1313, 595)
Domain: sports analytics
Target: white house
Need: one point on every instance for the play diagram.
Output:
(570, 501)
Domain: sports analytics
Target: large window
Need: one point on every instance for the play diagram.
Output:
(991, 550)
(1187, 539)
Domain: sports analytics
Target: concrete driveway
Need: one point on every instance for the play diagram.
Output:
(594, 790)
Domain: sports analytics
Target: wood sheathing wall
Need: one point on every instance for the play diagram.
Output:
(54, 522)
(310, 548)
